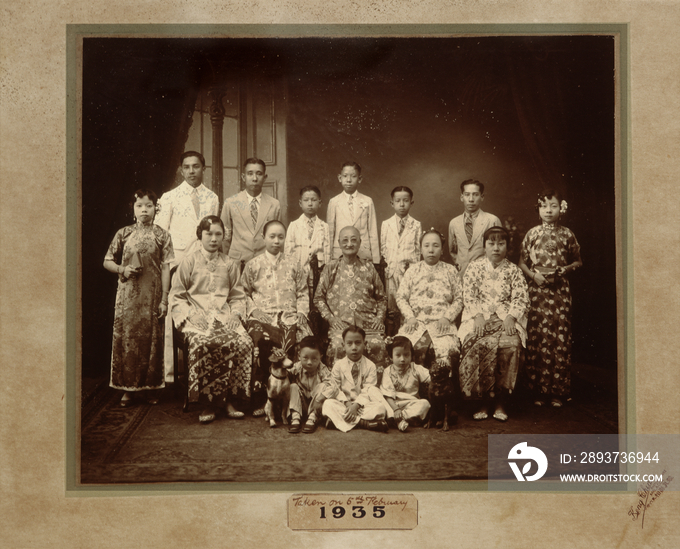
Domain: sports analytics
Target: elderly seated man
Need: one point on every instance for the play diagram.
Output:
(350, 293)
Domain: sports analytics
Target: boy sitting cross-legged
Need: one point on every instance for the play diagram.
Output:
(353, 397)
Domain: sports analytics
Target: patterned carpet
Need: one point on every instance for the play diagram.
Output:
(161, 444)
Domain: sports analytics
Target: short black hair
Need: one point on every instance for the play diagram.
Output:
(207, 222)
(270, 222)
(495, 230)
(310, 342)
(472, 182)
(187, 154)
(351, 165)
(402, 189)
(399, 341)
(254, 160)
(354, 330)
(310, 189)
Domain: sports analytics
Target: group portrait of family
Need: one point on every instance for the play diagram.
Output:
(393, 235)
(238, 285)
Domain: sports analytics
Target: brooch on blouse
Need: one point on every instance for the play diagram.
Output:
(212, 266)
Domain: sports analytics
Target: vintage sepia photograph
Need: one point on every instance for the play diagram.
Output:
(326, 258)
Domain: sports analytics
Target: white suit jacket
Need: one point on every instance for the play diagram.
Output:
(299, 244)
(365, 221)
(399, 249)
(342, 386)
(178, 216)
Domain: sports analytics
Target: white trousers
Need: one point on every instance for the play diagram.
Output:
(375, 409)
(411, 408)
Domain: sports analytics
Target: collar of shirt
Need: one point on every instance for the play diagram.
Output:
(352, 363)
(255, 198)
(471, 216)
(209, 256)
(398, 219)
(491, 268)
(189, 189)
(353, 195)
(308, 219)
(273, 259)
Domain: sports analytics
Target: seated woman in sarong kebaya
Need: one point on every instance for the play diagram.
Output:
(208, 305)
(493, 326)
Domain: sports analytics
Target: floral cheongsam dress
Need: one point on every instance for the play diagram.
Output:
(137, 353)
(549, 342)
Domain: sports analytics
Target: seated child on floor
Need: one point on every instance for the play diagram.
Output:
(308, 378)
(401, 384)
(353, 397)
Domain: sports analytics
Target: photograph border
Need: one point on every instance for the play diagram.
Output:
(623, 208)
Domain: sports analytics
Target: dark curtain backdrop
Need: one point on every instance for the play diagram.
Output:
(516, 112)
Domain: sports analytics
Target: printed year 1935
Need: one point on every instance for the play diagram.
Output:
(352, 512)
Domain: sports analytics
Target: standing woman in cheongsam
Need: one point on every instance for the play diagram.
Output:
(549, 253)
(140, 255)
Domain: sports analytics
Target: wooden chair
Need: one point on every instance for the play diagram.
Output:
(180, 375)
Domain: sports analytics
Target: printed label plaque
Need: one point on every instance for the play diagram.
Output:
(352, 512)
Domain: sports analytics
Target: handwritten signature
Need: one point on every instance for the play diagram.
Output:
(647, 495)
(304, 501)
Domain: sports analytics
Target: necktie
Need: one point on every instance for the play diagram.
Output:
(355, 372)
(468, 227)
(194, 201)
(350, 204)
(402, 224)
(253, 212)
(310, 228)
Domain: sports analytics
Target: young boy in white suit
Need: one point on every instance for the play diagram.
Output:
(466, 230)
(308, 235)
(352, 209)
(353, 397)
(399, 246)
